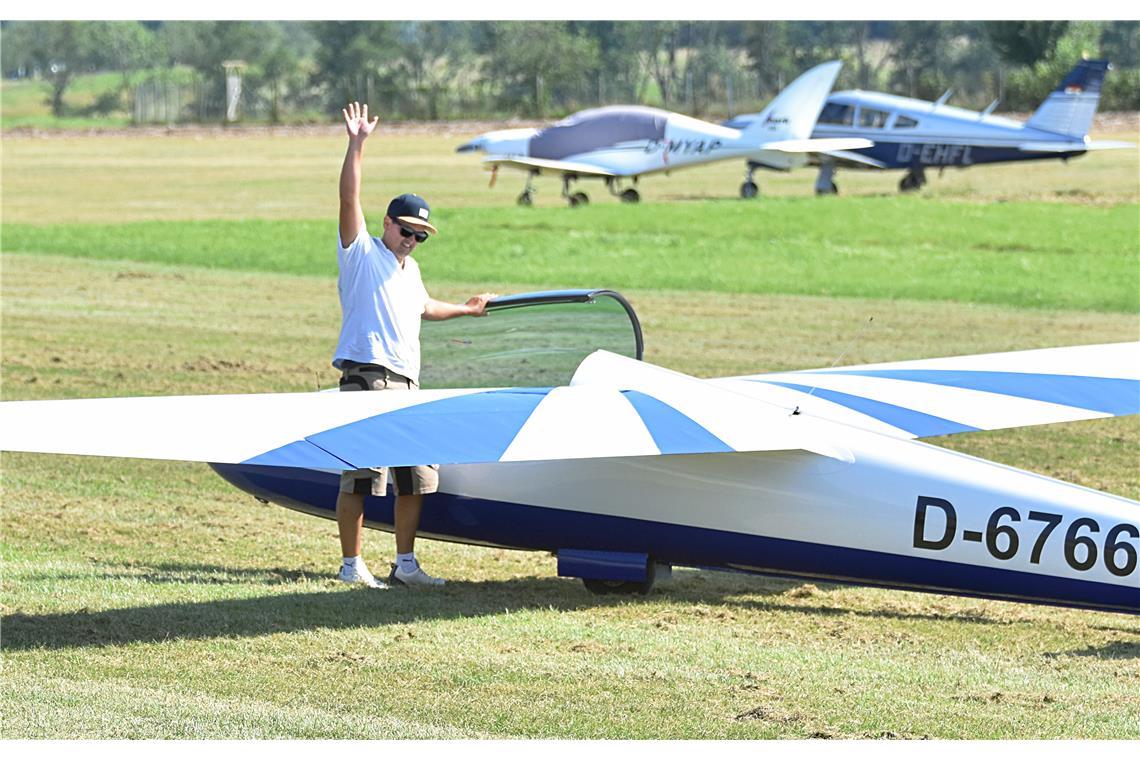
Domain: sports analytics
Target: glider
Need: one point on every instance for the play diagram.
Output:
(630, 468)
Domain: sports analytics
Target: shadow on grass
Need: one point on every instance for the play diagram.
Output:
(1116, 650)
(339, 606)
(188, 574)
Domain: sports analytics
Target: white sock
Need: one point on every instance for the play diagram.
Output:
(355, 563)
(407, 562)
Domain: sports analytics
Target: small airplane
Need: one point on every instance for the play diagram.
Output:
(916, 135)
(630, 469)
(613, 143)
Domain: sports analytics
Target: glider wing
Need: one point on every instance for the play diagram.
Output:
(919, 399)
(637, 410)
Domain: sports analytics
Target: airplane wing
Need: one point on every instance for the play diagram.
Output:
(1064, 146)
(546, 166)
(849, 159)
(818, 145)
(919, 399)
(635, 409)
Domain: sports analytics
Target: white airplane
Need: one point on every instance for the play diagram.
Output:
(632, 468)
(915, 135)
(627, 142)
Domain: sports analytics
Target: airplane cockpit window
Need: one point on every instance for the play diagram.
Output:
(597, 128)
(529, 340)
(837, 113)
(902, 122)
(873, 118)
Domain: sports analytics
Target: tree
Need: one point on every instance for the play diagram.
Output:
(931, 57)
(766, 43)
(1027, 86)
(1120, 44)
(279, 64)
(1024, 42)
(782, 50)
(432, 58)
(662, 56)
(538, 62)
(60, 50)
(620, 76)
(350, 56)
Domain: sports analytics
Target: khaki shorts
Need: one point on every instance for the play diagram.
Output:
(422, 479)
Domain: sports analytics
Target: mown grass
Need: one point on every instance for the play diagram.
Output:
(1028, 254)
(217, 173)
(151, 600)
(192, 611)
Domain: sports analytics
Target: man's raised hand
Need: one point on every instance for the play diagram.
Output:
(356, 121)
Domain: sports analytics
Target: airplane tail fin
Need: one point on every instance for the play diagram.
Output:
(793, 113)
(1069, 109)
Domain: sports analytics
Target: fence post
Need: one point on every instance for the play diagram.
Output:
(233, 71)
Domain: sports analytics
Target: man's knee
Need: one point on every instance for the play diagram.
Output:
(365, 482)
(416, 481)
(349, 502)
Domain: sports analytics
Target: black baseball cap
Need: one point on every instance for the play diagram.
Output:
(410, 208)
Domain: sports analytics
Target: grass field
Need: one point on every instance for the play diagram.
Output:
(27, 103)
(145, 599)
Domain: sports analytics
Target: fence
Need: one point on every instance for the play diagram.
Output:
(709, 94)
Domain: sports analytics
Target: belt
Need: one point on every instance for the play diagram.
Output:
(349, 365)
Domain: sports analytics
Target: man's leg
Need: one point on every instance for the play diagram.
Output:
(350, 526)
(408, 508)
(350, 522)
(407, 570)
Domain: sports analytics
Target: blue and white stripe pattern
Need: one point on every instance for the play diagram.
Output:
(614, 407)
(918, 399)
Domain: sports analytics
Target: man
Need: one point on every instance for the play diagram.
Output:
(382, 301)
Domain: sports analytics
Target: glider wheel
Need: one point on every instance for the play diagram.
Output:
(601, 587)
(526, 199)
(629, 195)
(832, 189)
(908, 184)
(579, 199)
(749, 190)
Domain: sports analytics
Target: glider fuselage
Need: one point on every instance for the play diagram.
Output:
(899, 514)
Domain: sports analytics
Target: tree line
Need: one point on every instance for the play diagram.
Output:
(301, 71)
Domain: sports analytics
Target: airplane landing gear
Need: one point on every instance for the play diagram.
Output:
(574, 199)
(629, 195)
(600, 587)
(913, 180)
(825, 182)
(654, 572)
(526, 197)
(749, 189)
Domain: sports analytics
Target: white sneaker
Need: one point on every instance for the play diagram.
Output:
(359, 575)
(417, 578)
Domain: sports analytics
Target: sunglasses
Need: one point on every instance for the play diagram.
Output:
(406, 232)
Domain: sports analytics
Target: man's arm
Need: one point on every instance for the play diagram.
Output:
(359, 127)
(476, 306)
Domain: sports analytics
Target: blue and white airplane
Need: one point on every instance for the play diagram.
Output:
(915, 135)
(629, 468)
(627, 142)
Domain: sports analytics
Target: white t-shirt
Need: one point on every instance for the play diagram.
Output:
(381, 305)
